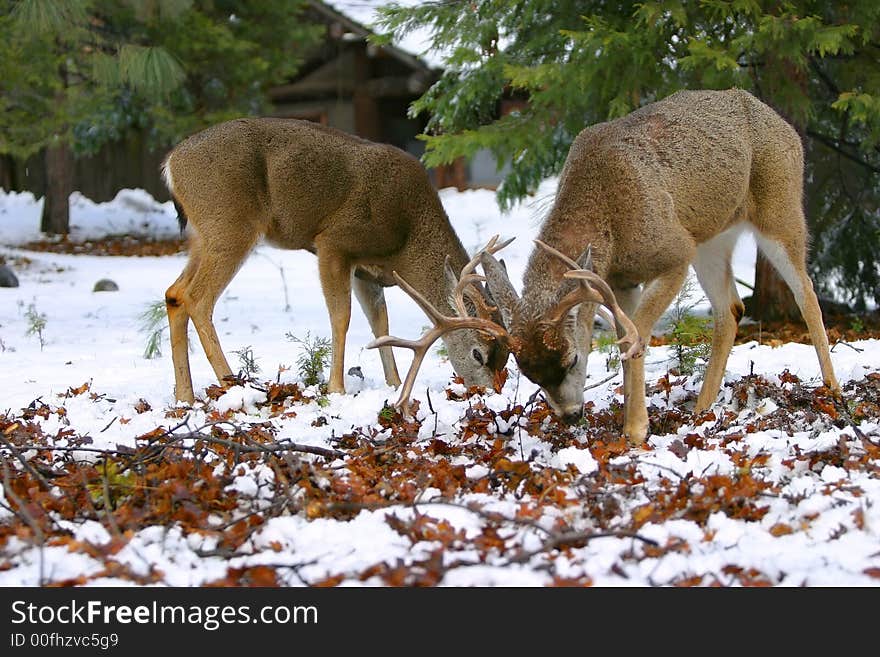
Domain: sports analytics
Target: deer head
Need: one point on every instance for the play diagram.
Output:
(554, 339)
(467, 298)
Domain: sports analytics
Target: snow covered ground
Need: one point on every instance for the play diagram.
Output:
(821, 525)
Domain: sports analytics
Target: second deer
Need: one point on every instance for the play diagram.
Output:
(640, 200)
(365, 209)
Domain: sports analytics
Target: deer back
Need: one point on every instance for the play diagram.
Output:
(296, 179)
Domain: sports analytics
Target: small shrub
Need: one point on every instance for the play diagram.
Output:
(36, 324)
(314, 359)
(249, 366)
(441, 349)
(690, 335)
(605, 342)
(153, 323)
(691, 338)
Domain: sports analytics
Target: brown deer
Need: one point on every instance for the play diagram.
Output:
(364, 209)
(640, 200)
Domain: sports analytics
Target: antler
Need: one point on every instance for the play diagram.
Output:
(442, 323)
(468, 277)
(596, 290)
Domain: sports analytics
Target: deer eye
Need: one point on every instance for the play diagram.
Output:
(574, 362)
(477, 356)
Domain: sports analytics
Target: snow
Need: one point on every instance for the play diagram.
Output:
(417, 42)
(96, 337)
(579, 458)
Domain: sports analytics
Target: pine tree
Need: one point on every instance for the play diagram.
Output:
(66, 63)
(582, 62)
(75, 74)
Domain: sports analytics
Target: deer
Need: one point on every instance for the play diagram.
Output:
(641, 199)
(364, 209)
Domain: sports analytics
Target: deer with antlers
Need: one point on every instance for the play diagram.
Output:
(364, 209)
(640, 200)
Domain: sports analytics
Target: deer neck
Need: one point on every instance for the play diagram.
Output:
(422, 262)
(543, 282)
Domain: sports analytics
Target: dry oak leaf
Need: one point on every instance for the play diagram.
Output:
(781, 529)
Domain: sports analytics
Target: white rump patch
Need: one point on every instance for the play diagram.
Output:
(166, 173)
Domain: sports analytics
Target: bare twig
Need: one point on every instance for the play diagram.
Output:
(491, 516)
(270, 448)
(744, 284)
(22, 513)
(599, 383)
(843, 411)
(109, 424)
(845, 344)
(574, 537)
(27, 466)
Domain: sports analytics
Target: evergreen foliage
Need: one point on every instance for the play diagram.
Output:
(153, 322)
(75, 74)
(581, 62)
(84, 70)
(690, 335)
(314, 359)
(605, 342)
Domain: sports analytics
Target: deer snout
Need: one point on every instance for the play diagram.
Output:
(569, 413)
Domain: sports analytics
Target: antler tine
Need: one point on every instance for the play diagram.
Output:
(484, 309)
(593, 283)
(571, 263)
(442, 325)
(460, 290)
(631, 334)
(468, 277)
(582, 294)
(435, 315)
(604, 314)
(493, 248)
(420, 350)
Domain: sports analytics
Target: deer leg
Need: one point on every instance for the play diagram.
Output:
(712, 266)
(178, 324)
(334, 270)
(788, 258)
(371, 297)
(217, 265)
(655, 298)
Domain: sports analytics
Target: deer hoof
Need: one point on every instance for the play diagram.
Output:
(636, 435)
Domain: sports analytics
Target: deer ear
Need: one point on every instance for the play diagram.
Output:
(586, 259)
(450, 276)
(503, 293)
(450, 280)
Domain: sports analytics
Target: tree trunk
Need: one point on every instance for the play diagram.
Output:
(7, 173)
(771, 300)
(59, 185)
